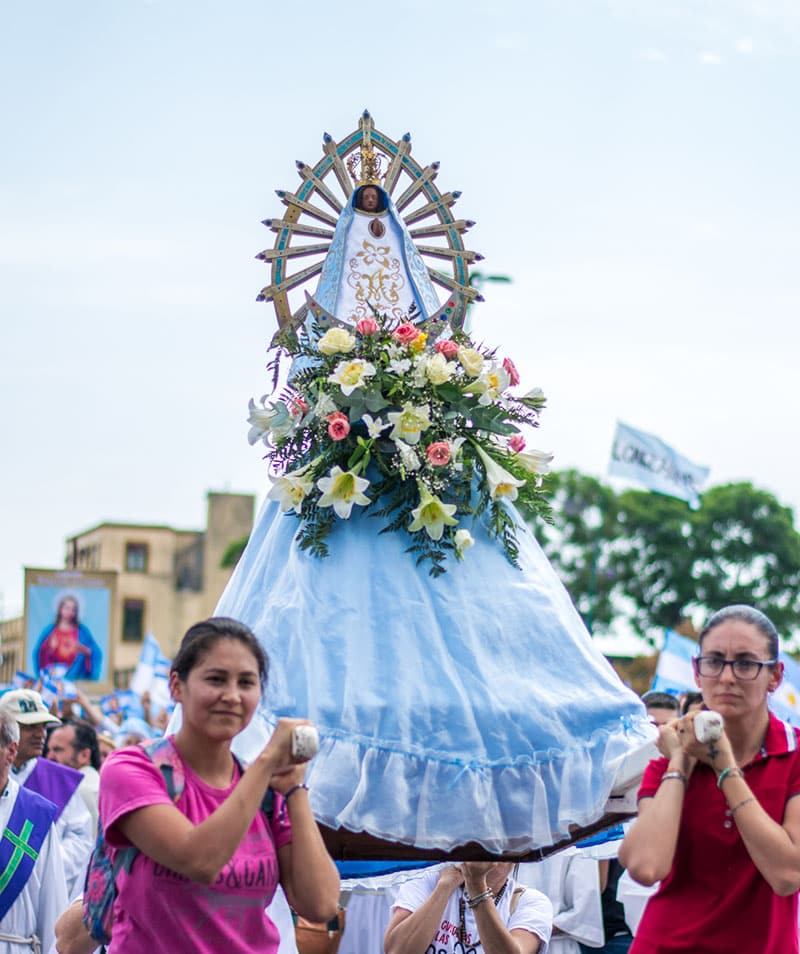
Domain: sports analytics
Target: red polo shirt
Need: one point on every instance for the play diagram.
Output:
(714, 900)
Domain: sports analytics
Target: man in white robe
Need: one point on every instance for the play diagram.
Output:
(569, 879)
(38, 896)
(74, 823)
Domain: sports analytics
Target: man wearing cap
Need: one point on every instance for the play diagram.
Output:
(57, 783)
(32, 885)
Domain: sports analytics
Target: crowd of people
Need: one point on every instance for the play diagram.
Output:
(204, 849)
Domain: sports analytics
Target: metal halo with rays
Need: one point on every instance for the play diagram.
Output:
(306, 229)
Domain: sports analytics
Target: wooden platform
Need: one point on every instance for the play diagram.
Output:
(346, 845)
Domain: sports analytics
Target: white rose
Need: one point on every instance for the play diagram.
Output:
(336, 341)
(471, 361)
(439, 370)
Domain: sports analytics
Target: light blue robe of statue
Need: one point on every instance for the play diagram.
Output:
(470, 707)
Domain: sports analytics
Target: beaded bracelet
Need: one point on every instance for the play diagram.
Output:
(480, 898)
(732, 771)
(293, 789)
(679, 775)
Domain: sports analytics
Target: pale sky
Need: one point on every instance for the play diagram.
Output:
(632, 164)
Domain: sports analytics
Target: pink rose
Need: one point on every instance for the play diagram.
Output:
(405, 333)
(438, 454)
(516, 442)
(511, 370)
(448, 348)
(338, 426)
(299, 406)
(367, 326)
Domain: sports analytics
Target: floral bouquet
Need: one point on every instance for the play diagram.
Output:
(422, 433)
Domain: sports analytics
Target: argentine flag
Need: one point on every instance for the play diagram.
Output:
(785, 701)
(674, 673)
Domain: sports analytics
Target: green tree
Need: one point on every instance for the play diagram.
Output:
(233, 552)
(652, 560)
(748, 552)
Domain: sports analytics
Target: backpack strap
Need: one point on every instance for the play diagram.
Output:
(268, 804)
(164, 755)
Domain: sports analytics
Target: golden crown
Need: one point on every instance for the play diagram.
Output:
(365, 167)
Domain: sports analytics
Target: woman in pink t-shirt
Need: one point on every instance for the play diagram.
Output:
(209, 863)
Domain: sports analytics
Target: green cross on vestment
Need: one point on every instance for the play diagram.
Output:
(21, 847)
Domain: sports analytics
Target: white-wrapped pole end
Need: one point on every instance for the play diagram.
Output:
(707, 726)
(305, 743)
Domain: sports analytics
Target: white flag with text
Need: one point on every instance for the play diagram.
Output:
(646, 459)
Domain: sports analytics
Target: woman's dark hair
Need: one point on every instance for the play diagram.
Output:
(660, 700)
(202, 637)
(690, 699)
(746, 614)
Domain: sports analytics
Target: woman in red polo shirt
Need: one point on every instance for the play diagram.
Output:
(718, 822)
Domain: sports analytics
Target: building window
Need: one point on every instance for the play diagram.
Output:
(133, 621)
(136, 557)
(122, 678)
(189, 567)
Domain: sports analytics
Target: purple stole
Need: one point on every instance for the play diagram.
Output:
(57, 783)
(20, 843)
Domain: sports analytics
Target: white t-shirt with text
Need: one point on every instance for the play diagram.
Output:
(533, 912)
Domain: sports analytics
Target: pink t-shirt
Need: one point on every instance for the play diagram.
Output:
(159, 910)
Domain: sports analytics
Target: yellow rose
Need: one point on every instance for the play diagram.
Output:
(418, 344)
(336, 341)
(471, 361)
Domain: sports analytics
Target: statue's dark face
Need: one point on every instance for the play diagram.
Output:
(369, 200)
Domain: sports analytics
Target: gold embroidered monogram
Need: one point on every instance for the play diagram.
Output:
(376, 277)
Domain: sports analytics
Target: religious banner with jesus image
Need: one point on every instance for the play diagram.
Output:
(67, 624)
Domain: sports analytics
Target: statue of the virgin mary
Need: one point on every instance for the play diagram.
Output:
(373, 264)
(470, 708)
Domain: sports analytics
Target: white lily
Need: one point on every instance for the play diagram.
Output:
(375, 427)
(342, 489)
(535, 461)
(351, 374)
(490, 384)
(431, 515)
(409, 423)
(290, 490)
(268, 421)
(399, 365)
(502, 485)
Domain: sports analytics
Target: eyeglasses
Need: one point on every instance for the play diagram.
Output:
(712, 666)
